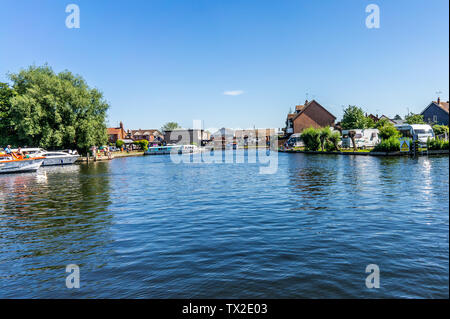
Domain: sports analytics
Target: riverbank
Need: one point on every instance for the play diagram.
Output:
(84, 159)
(368, 153)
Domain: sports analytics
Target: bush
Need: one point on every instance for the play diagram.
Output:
(324, 135)
(437, 144)
(120, 143)
(143, 144)
(311, 139)
(440, 129)
(333, 142)
(387, 131)
(391, 144)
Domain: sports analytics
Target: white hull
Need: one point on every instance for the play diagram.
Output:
(20, 166)
(60, 160)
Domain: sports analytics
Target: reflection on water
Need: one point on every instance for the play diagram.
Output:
(47, 218)
(146, 227)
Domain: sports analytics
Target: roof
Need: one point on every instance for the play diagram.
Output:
(145, 132)
(290, 115)
(308, 105)
(441, 105)
(299, 108)
(113, 131)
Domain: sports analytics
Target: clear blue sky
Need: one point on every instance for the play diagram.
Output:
(160, 61)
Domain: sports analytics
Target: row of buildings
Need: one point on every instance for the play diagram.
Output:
(313, 114)
(310, 114)
(222, 137)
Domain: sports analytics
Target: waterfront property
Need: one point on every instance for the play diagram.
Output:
(311, 114)
(150, 135)
(116, 133)
(437, 112)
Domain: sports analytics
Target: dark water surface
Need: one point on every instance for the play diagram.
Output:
(148, 228)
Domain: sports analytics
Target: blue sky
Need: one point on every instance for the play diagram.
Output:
(160, 61)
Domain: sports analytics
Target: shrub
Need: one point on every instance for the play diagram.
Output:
(120, 143)
(391, 144)
(440, 129)
(387, 131)
(143, 144)
(333, 142)
(311, 139)
(324, 135)
(437, 144)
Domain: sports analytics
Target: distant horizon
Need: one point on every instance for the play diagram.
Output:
(234, 64)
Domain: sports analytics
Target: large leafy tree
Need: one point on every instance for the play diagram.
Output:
(56, 110)
(6, 130)
(354, 118)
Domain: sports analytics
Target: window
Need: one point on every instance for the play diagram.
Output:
(434, 118)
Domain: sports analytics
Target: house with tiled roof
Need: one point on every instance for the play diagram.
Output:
(151, 135)
(116, 133)
(437, 112)
(310, 114)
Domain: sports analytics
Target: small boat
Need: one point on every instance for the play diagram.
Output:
(65, 157)
(15, 163)
(172, 149)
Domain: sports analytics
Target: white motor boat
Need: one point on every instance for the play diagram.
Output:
(58, 158)
(14, 163)
(65, 157)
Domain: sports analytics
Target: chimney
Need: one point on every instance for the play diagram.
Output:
(306, 102)
(121, 125)
(439, 100)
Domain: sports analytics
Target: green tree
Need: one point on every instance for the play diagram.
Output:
(120, 143)
(170, 126)
(387, 131)
(324, 135)
(382, 122)
(397, 117)
(412, 118)
(143, 144)
(354, 118)
(56, 110)
(334, 139)
(6, 130)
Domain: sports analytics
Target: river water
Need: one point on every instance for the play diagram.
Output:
(146, 227)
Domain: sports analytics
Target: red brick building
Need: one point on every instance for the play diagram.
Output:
(116, 133)
(311, 114)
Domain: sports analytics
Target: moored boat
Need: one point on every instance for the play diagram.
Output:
(15, 163)
(58, 158)
(172, 149)
(66, 157)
